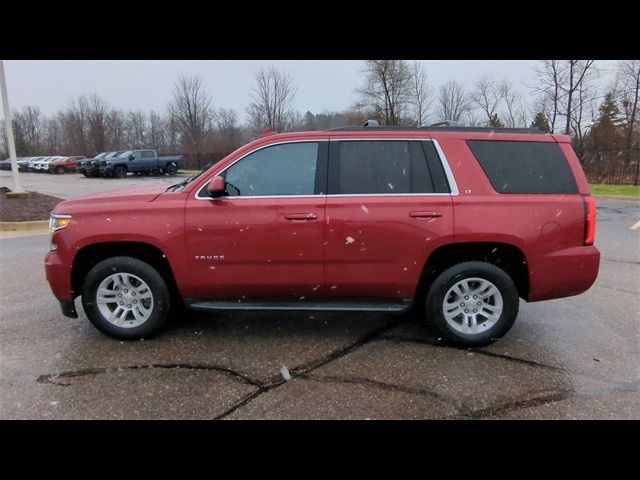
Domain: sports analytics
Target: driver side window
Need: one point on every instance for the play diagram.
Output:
(286, 169)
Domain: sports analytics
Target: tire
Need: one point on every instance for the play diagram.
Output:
(147, 318)
(120, 172)
(171, 169)
(495, 313)
(60, 170)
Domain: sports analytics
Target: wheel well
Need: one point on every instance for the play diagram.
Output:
(503, 255)
(91, 255)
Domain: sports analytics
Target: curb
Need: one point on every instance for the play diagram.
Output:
(613, 197)
(23, 226)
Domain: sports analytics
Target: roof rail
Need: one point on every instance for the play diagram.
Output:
(534, 131)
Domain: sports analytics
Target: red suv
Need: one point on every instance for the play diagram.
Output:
(456, 223)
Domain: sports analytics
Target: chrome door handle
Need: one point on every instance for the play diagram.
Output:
(301, 216)
(425, 214)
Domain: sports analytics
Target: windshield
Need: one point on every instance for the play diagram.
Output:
(100, 155)
(125, 154)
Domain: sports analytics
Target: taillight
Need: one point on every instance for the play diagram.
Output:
(590, 227)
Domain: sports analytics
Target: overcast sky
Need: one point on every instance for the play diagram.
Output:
(146, 85)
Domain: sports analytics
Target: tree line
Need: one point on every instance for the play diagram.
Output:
(564, 96)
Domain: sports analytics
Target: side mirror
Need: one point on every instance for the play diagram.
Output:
(216, 187)
(131, 157)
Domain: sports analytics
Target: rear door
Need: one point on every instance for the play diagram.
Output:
(389, 206)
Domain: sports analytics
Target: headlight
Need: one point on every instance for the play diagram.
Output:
(58, 222)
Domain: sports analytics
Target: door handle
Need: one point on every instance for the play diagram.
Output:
(301, 216)
(425, 214)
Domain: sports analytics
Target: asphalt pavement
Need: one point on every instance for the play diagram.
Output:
(572, 358)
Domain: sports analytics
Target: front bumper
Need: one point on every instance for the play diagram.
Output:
(58, 274)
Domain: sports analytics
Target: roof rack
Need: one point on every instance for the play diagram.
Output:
(535, 131)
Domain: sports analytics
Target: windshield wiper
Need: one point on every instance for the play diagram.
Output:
(184, 182)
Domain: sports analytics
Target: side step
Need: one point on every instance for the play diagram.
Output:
(331, 306)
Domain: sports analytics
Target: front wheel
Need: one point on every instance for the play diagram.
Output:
(126, 298)
(120, 172)
(472, 303)
(60, 170)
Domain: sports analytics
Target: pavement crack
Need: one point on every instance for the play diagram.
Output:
(55, 378)
(391, 387)
(618, 260)
(531, 363)
(492, 411)
(277, 381)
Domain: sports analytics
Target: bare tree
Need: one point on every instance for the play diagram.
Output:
(76, 126)
(192, 112)
(97, 111)
(116, 130)
(577, 76)
(453, 102)
(227, 131)
(628, 87)
(389, 89)
(488, 96)
(422, 95)
(137, 128)
(157, 132)
(29, 123)
(549, 76)
(273, 97)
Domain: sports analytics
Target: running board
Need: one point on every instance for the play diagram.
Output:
(331, 306)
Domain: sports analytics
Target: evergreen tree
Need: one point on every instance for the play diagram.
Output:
(495, 121)
(541, 122)
(606, 133)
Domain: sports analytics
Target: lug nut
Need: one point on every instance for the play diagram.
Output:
(135, 301)
(475, 296)
(474, 310)
(462, 304)
(121, 303)
(133, 293)
(126, 291)
(466, 297)
(466, 311)
(128, 306)
(120, 295)
(479, 303)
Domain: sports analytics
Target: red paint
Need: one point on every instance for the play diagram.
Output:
(69, 163)
(327, 247)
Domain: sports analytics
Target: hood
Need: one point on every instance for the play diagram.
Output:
(111, 198)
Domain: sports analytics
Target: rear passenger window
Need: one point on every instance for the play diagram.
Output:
(379, 167)
(524, 167)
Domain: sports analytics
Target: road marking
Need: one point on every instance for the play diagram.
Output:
(635, 226)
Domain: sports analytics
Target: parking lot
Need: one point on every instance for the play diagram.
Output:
(573, 358)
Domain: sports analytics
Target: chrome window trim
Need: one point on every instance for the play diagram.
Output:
(453, 186)
(198, 197)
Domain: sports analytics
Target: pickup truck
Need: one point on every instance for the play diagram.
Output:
(139, 161)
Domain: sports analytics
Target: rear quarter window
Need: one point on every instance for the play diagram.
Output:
(524, 167)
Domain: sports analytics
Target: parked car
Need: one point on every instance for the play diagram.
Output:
(454, 223)
(5, 164)
(42, 165)
(90, 167)
(23, 163)
(139, 161)
(65, 164)
(31, 166)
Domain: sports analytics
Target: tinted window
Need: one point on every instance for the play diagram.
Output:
(147, 154)
(288, 169)
(380, 167)
(524, 167)
(438, 176)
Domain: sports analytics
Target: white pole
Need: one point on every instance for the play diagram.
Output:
(17, 188)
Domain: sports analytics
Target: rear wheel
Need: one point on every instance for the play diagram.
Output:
(171, 169)
(120, 172)
(472, 303)
(126, 298)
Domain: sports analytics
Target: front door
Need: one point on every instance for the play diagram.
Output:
(263, 240)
